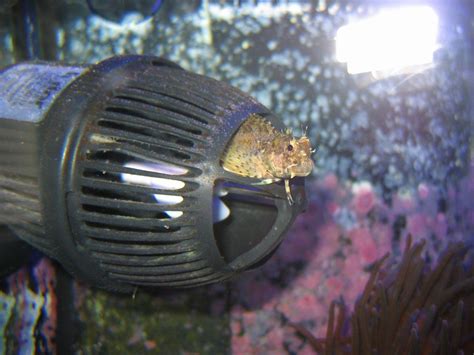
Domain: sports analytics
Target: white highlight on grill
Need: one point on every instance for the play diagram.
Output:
(159, 183)
(220, 210)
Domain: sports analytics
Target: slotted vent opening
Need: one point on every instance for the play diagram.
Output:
(116, 158)
(129, 228)
(149, 129)
(161, 183)
(111, 194)
(146, 131)
(166, 102)
(167, 120)
(121, 188)
(133, 143)
(111, 211)
(176, 94)
(101, 175)
(134, 158)
(137, 242)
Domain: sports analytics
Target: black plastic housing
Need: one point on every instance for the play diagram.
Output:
(62, 185)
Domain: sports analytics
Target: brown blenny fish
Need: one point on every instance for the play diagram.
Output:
(258, 150)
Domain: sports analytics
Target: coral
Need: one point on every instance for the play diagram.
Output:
(28, 303)
(331, 249)
(407, 308)
(7, 304)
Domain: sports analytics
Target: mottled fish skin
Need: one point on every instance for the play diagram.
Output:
(258, 150)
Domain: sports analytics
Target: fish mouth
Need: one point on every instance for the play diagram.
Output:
(302, 170)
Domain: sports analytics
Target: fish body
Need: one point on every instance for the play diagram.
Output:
(258, 150)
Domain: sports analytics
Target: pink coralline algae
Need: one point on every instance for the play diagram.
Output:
(330, 251)
(423, 191)
(295, 305)
(364, 198)
(241, 344)
(364, 244)
(417, 224)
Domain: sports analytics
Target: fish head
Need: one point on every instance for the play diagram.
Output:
(299, 157)
(291, 157)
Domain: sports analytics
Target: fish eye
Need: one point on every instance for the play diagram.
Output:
(290, 147)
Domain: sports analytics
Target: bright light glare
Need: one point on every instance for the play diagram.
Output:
(159, 183)
(220, 210)
(394, 39)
